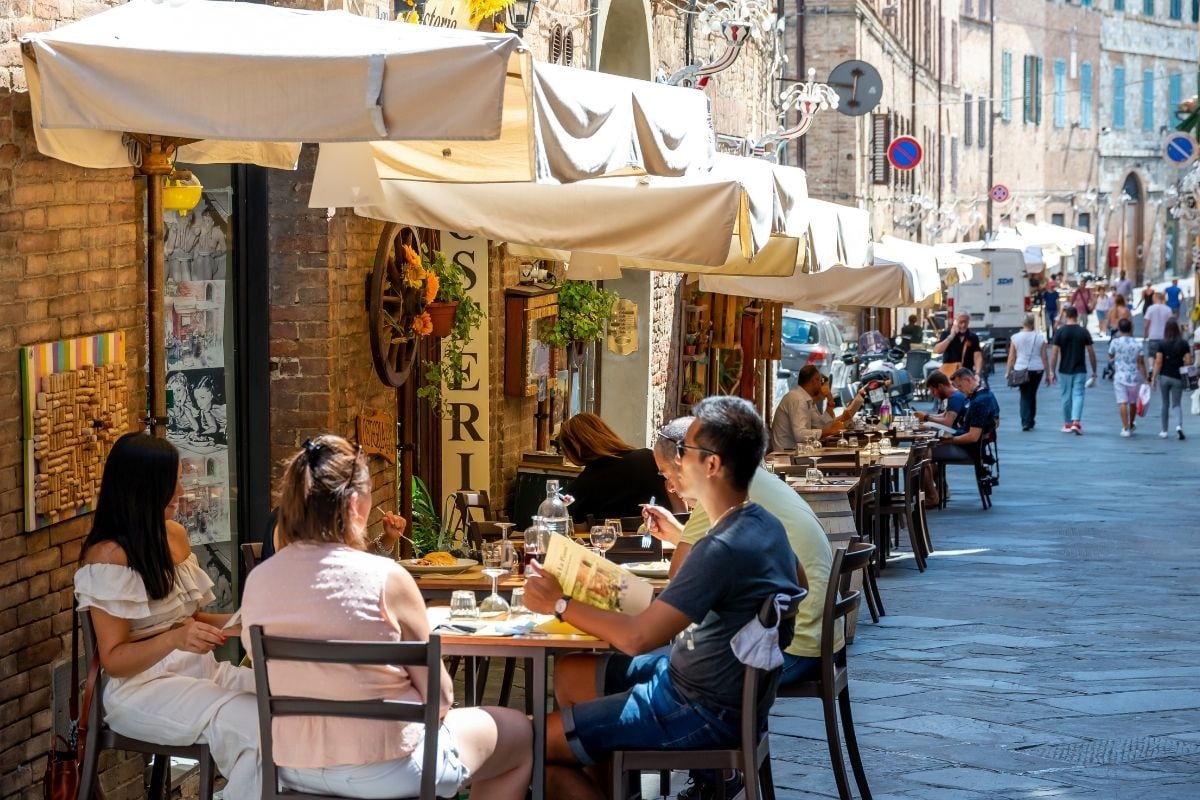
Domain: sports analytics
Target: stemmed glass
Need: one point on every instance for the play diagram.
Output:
(813, 476)
(509, 555)
(603, 538)
(493, 566)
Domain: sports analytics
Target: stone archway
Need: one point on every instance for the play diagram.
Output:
(1131, 234)
(626, 39)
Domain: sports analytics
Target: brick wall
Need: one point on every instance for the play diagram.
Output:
(321, 371)
(70, 265)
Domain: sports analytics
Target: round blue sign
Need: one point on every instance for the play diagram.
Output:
(1179, 148)
(904, 152)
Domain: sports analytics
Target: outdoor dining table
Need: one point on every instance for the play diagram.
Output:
(440, 586)
(535, 648)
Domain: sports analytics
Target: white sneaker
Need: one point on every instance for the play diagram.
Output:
(1162, 434)
(1126, 433)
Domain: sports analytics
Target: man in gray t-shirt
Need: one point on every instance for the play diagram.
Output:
(691, 696)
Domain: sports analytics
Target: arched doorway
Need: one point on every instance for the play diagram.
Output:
(625, 39)
(1132, 231)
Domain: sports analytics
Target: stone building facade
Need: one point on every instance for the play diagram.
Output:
(1028, 85)
(72, 245)
(1147, 66)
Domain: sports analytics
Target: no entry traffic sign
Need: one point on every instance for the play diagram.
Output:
(999, 193)
(904, 152)
(1179, 148)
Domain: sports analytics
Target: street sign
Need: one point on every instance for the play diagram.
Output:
(858, 85)
(1179, 148)
(1000, 193)
(905, 152)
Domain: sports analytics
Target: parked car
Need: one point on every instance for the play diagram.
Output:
(810, 338)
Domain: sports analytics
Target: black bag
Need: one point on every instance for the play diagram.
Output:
(1018, 377)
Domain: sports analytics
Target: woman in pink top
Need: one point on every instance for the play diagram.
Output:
(321, 585)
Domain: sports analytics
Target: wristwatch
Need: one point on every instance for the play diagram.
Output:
(560, 607)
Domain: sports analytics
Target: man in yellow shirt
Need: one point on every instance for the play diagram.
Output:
(804, 532)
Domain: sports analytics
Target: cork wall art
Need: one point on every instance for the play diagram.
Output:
(75, 397)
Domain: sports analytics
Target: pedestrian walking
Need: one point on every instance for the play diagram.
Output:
(1129, 373)
(1026, 365)
(1104, 305)
(1174, 354)
(1084, 300)
(1120, 310)
(1155, 317)
(1147, 299)
(1174, 297)
(1050, 306)
(1124, 285)
(1069, 358)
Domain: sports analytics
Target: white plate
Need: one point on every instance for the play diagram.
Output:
(649, 569)
(462, 565)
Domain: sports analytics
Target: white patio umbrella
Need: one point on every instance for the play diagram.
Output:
(225, 82)
(249, 74)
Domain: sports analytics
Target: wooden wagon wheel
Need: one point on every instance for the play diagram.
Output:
(393, 350)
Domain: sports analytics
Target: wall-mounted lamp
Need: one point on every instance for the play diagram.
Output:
(520, 15)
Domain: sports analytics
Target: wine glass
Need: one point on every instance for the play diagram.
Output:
(603, 538)
(508, 555)
(493, 566)
(505, 527)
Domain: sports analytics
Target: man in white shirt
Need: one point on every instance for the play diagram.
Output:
(800, 414)
(1125, 287)
(1155, 323)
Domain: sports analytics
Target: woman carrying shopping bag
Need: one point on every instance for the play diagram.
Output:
(1171, 362)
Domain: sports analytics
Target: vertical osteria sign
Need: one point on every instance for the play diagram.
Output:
(465, 431)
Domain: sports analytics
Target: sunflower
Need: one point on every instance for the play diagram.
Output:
(411, 256)
(431, 287)
(414, 275)
(422, 325)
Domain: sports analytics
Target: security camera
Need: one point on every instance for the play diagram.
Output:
(1106, 129)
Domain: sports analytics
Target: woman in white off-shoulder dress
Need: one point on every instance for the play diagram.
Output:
(145, 589)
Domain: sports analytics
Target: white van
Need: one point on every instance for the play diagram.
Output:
(996, 297)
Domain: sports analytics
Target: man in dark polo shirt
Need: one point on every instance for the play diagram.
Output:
(689, 697)
(960, 347)
(978, 418)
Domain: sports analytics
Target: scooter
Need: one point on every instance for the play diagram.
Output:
(878, 368)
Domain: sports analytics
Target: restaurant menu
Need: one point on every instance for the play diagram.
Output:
(591, 579)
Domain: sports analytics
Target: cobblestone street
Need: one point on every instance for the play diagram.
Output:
(1050, 650)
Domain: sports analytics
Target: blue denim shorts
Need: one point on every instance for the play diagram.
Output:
(640, 710)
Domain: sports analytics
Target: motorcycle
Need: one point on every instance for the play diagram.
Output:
(877, 366)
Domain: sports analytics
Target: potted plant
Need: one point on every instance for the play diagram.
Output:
(692, 393)
(445, 310)
(690, 341)
(583, 312)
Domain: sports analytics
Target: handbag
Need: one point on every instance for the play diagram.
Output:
(1019, 377)
(61, 781)
(1143, 399)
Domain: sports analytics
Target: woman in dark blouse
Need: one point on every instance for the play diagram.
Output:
(617, 477)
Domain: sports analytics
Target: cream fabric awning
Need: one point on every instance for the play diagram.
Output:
(248, 74)
(901, 274)
(701, 220)
(560, 125)
(1045, 233)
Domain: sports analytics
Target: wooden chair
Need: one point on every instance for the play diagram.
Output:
(479, 521)
(251, 555)
(265, 648)
(752, 756)
(833, 684)
(101, 737)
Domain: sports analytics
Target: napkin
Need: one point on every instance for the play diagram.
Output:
(515, 627)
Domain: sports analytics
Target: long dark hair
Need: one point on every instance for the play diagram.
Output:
(1171, 330)
(139, 481)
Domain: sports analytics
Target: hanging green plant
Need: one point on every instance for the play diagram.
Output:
(583, 313)
(448, 371)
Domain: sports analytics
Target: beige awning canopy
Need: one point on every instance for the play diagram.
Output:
(900, 274)
(244, 77)
(735, 210)
(560, 125)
